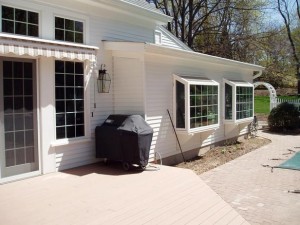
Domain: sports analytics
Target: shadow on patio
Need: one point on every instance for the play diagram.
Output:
(111, 168)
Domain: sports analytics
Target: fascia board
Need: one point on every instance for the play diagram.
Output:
(238, 83)
(195, 79)
(124, 46)
(155, 49)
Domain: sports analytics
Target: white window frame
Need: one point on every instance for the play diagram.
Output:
(87, 123)
(25, 9)
(234, 84)
(86, 111)
(187, 81)
(84, 32)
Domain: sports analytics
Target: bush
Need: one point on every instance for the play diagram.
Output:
(284, 117)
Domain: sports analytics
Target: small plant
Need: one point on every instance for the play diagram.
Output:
(223, 151)
(230, 142)
(284, 117)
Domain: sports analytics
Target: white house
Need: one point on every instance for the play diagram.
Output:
(50, 56)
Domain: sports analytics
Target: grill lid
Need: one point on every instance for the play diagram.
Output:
(136, 124)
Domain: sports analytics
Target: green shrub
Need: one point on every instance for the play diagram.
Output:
(284, 117)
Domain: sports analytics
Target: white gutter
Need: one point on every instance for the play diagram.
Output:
(257, 74)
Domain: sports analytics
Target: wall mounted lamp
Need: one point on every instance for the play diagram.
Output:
(103, 81)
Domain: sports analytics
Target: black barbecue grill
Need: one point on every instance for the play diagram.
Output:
(124, 138)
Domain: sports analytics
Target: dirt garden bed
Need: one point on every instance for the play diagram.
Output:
(223, 154)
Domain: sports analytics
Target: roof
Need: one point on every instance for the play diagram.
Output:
(143, 4)
(139, 8)
(171, 52)
(153, 48)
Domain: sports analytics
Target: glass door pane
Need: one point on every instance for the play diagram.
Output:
(18, 112)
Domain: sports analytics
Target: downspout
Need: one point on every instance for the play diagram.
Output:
(257, 74)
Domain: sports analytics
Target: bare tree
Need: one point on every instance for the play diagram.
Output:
(189, 16)
(215, 27)
(285, 12)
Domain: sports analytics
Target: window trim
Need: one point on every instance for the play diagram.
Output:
(27, 10)
(234, 84)
(187, 81)
(86, 110)
(66, 17)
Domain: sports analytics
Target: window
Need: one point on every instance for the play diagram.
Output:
(69, 96)
(19, 21)
(180, 102)
(238, 101)
(68, 30)
(228, 102)
(196, 104)
(244, 102)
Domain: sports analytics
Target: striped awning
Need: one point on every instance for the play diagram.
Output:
(18, 45)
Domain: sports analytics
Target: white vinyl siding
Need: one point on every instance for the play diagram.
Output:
(121, 99)
(128, 86)
(166, 39)
(139, 85)
(159, 98)
(99, 25)
(74, 155)
(125, 96)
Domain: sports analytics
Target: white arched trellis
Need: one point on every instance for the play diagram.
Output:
(272, 93)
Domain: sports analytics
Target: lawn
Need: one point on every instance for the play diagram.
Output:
(262, 105)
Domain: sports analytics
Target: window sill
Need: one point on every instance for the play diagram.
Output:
(246, 120)
(66, 141)
(198, 130)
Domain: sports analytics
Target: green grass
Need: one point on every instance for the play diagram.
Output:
(262, 105)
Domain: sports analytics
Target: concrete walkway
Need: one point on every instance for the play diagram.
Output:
(258, 194)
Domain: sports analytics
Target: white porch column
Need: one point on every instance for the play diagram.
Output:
(46, 81)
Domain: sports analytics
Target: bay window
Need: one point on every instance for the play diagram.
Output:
(238, 101)
(196, 104)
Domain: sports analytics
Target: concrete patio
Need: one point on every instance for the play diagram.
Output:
(98, 194)
(258, 194)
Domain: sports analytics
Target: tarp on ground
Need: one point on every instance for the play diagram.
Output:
(292, 163)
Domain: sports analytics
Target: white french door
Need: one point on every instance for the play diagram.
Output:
(18, 117)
